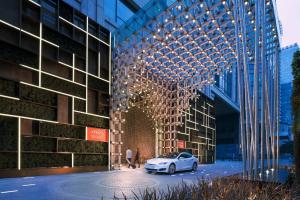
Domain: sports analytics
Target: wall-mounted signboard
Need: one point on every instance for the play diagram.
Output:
(181, 144)
(97, 134)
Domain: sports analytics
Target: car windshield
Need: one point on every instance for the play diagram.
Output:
(169, 155)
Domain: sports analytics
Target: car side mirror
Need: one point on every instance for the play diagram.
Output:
(180, 158)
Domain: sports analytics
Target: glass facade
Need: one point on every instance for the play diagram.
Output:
(286, 86)
(109, 13)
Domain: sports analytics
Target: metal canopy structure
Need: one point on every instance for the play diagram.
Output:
(171, 50)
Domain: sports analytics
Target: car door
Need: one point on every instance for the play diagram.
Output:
(186, 161)
(181, 162)
(189, 161)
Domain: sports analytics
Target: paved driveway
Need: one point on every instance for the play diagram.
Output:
(98, 185)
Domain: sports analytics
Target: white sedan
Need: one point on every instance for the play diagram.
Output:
(172, 162)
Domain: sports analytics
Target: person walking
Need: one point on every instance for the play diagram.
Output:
(128, 156)
(137, 157)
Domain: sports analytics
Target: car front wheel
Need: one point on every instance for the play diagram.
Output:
(172, 169)
(195, 167)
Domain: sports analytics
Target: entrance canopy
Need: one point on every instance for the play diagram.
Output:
(171, 49)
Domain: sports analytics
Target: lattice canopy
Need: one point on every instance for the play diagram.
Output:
(172, 49)
(188, 43)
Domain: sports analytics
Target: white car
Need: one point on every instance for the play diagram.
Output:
(172, 162)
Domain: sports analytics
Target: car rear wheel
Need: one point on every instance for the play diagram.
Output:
(195, 166)
(172, 169)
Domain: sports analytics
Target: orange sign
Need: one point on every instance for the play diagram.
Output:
(97, 134)
(181, 144)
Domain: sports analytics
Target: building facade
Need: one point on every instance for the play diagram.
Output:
(286, 89)
(54, 89)
(56, 85)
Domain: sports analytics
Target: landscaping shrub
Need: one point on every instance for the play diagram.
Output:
(218, 189)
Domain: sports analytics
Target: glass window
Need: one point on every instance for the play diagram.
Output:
(110, 9)
(49, 14)
(93, 28)
(185, 155)
(123, 13)
(79, 20)
(104, 34)
(65, 11)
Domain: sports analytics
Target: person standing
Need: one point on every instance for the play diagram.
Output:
(137, 157)
(128, 156)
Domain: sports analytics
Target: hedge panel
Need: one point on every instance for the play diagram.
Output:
(15, 107)
(89, 120)
(8, 134)
(38, 95)
(82, 146)
(90, 160)
(79, 105)
(62, 130)
(8, 160)
(36, 143)
(62, 86)
(34, 160)
(8, 87)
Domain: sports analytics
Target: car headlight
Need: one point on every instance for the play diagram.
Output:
(163, 163)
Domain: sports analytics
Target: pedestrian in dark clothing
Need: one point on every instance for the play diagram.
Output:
(128, 157)
(137, 157)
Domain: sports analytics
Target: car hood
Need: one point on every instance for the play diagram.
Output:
(159, 160)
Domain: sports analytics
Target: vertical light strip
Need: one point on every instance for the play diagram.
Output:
(72, 160)
(109, 92)
(73, 79)
(73, 67)
(73, 108)
(40, 55)
(86, 64)
(19, 143)
(99, 58)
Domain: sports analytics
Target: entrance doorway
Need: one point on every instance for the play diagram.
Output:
(139, 132)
